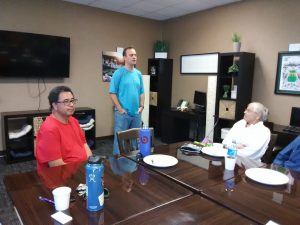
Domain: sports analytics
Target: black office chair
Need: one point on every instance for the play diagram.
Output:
(268, 156)
(269, 125)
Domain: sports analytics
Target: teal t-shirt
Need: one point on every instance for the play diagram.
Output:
(128, 86)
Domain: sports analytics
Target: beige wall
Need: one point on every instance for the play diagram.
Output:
(91, 31)
(266, 27)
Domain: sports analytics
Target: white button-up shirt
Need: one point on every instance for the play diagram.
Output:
(255, 138)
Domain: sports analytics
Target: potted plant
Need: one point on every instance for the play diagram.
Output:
(234, 68)
(161, 49)
(236, 39)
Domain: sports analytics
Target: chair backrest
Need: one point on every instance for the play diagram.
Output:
(269, 125)
(129, 140)
(268, 156)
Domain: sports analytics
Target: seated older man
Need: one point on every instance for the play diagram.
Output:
(250, 134)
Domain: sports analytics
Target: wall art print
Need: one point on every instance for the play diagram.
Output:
(288, 73)
(111, 61)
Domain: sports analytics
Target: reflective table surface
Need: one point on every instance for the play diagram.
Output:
(133, 190)
(257, 201)
(197, 190)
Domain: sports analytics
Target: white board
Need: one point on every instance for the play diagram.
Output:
(199, 64)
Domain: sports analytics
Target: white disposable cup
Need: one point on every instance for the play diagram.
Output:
(230, 163)
(61, 198)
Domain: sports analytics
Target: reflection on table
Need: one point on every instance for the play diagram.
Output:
(196, 190)
(129, 195)
(196, 171)
(191, 210)
(280, 203)
(206, 176)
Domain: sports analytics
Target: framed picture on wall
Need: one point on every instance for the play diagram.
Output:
(111, 61)
(288, 73)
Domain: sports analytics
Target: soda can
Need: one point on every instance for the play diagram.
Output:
(145, 141)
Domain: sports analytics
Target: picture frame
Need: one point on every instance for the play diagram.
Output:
(202, 64)
(288, 73)
(111, 61)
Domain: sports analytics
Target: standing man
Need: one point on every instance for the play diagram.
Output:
(60, 139)
(127, 93)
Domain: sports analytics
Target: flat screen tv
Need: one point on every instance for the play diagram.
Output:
(33, 55)
(295, 117)
(200, 100)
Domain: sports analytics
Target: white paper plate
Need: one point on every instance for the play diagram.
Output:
(267, 176)
(216, 150)
(159, 160)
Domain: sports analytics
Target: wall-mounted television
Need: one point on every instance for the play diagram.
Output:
(33, 55)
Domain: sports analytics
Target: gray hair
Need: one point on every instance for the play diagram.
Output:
(260, 109)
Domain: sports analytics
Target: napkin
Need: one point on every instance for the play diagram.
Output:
(61, 217)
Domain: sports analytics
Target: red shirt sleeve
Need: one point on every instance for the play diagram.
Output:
(48, 145)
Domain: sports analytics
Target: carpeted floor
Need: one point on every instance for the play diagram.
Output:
(7, 213)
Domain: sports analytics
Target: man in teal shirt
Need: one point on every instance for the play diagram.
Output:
(127, 93)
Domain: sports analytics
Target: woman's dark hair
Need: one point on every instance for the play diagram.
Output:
(54, 94)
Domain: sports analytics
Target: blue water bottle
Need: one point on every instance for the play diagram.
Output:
(145, 141)
(94, 184)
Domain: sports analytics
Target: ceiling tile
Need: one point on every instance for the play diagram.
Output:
(154, 9)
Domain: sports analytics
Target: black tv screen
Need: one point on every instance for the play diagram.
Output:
(200, 99)
(33, 55)
(295, 117)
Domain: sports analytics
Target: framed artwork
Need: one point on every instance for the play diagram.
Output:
(199, 64)
(288, 73)
(111, 61)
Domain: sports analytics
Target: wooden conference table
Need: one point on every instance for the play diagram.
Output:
(206, 176)
(195, 191)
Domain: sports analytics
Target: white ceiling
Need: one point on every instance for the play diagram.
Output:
(154, 9)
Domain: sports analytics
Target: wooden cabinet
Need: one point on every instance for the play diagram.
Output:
(19, 130)
(230, 106)
(160, 71)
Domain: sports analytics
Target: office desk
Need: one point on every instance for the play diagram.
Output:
(181, 126)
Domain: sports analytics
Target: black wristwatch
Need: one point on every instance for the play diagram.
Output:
(142, 106)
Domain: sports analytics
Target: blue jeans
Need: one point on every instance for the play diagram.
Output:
(124, 122)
